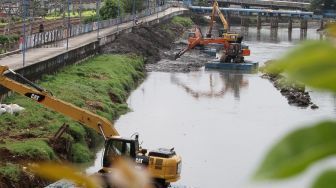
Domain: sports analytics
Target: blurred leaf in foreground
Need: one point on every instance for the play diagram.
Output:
(331, 30)
(326, 180)
(54, 172)
(123, 173)
(313, 63)
(295, 152)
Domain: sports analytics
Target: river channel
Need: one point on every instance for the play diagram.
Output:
(223, 123)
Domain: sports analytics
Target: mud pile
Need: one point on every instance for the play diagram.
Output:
(192, 60)
(159, 42)
(148, 41)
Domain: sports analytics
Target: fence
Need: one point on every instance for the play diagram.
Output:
(53, 36)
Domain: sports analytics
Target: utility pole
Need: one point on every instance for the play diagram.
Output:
(25, 5)
(80, 10)
(68, 28)
(157, 12)
(148, 10)
(133, 11)
(118, 16)
(98, 15)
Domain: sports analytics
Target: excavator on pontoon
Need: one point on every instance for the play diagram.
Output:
(164, 165)
(233, 49)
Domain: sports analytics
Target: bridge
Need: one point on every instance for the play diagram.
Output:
(271, 4)
(245, 14)
(296, 5)
(257, 12)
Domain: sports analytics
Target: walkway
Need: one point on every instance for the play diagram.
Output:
(35, 55)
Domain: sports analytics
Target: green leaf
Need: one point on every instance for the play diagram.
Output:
(313, 63)
(326, 180)
(296, 151)
(331, 30)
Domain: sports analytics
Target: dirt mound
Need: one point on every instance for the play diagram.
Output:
(147, 41)
(190, 61)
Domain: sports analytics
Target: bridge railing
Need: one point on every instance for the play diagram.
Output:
(57, 35)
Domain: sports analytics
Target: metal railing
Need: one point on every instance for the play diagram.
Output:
(53, 36)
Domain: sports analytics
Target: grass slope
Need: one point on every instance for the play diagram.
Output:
(100, 85)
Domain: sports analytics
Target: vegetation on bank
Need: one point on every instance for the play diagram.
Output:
(8, 38)
(177, 25)
(59, 15)
(100, 84)
(10, 171)
(183, 21)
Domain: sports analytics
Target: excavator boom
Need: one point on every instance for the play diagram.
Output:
(215, 9)
(38, 94)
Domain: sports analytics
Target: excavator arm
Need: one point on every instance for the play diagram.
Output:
(42, 96)
(190, 46)
(215, 8)
(192, 42)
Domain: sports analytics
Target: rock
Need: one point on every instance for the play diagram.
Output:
(294, 92)
(314, 106)
(16, 108)
(2, 110)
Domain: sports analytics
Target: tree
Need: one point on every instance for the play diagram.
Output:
(110, 9)
(202, 2)
(128, 5)
(322, 5)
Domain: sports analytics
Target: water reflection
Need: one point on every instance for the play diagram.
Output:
(335, 104)
(244, 31)
(303, 34)
(274, 35)
(289, 35)
(218, 85)
(258, 34)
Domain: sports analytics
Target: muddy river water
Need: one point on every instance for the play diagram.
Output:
(222, 123)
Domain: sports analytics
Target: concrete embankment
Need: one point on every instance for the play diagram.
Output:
(100, 84)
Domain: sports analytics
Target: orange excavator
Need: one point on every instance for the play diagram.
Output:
(233, 51)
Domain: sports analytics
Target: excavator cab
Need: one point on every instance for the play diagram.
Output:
(191, 35)
(119, 147)
(164, 164)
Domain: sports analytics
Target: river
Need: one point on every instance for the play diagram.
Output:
(223, 123)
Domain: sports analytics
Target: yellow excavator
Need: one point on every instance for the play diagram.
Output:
(229, 36)
(164, 165)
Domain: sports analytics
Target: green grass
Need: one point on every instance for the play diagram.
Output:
(92, 80)
(10, 171)
(31, 149)
(184, 21)
(81, 153)
(86, 13)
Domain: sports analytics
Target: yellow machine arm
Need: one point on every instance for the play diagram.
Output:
(42, 96)
(215, 8)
